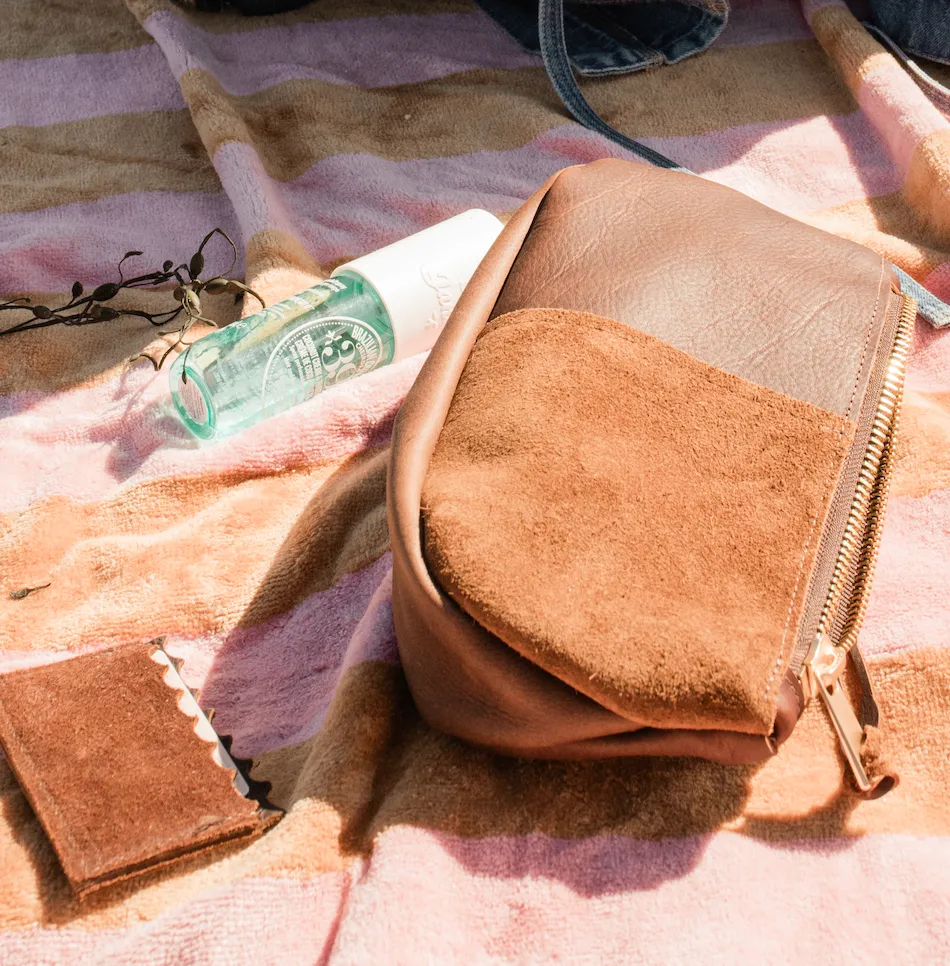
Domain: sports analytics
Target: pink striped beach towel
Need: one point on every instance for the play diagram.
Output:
(312, 137)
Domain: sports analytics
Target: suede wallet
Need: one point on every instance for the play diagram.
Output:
(121, 766)
(636, 492)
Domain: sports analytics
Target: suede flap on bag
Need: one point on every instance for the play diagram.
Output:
(615, 510)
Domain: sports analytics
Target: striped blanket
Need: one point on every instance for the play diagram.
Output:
(316, 136)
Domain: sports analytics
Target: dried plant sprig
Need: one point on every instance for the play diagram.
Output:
(83, 309)
(26, 591)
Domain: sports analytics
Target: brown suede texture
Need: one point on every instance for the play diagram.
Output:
(114, 770)
(634, 521)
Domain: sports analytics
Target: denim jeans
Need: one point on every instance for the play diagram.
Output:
(920, 28)
(614, 38)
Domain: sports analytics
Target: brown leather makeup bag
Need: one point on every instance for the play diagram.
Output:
(637, 489)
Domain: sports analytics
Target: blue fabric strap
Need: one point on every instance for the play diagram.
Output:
(558, 65)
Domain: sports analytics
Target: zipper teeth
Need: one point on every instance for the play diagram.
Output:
(857, 556)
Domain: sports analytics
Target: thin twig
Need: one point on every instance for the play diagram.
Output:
(83, 309)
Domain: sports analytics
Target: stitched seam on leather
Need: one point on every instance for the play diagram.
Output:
(772, 683)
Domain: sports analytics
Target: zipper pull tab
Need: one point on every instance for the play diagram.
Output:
(850, 732)
(823, 670)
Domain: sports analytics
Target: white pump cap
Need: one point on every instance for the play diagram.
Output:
(420, 278)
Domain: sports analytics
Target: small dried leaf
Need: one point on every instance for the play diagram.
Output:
(77, 289)
(95, 312)
(191, 302)
(130, 255)
(42, 312)
(25, 592)
(179, 294)
(168, 266)
(196, 264)
(105, 292)
(216, 286)
(233, 285)
(107, 315)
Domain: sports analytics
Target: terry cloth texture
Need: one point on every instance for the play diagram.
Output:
(313, 137)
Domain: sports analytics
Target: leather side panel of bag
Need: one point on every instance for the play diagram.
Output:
(710, 271)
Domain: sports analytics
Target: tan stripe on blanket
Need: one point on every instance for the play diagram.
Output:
(91, 27)
(59, 164)
(889, 225)
(502, 109)
(179, 556)
(854, 50)
(278, 266)
(928, 180)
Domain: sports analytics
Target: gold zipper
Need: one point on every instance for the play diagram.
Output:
(846, 602)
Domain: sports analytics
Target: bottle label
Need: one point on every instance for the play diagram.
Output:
(323, 353)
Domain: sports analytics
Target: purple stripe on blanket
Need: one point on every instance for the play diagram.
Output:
(610, 899)
(249, 922)
(910, 604)
(348, 204)
(49, 249)
(763, 22)
(72, 87)
(362, 52)
(539, 899)
(271, 684)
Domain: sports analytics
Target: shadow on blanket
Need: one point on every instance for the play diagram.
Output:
(352, 760)
(376, 765)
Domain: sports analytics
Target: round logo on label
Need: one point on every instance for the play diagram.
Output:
(325, 352)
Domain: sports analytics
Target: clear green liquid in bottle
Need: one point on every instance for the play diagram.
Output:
(282, 356)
